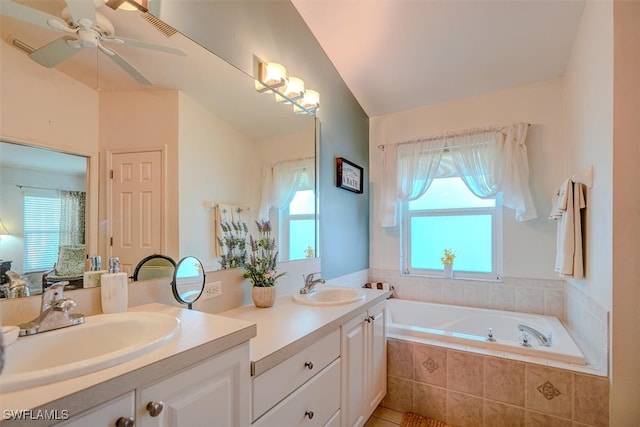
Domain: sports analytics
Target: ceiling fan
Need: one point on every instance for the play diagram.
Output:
(85, 28)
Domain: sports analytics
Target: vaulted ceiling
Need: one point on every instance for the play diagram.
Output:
(401, 54)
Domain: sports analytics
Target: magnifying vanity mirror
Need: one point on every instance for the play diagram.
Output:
(188, 281)
(154, 267)
(201, 122)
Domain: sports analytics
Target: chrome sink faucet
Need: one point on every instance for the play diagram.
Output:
(54, 312)
(310, 283)
(544, 341)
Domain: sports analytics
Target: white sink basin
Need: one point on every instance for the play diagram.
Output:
(101, 342)
(330, 296)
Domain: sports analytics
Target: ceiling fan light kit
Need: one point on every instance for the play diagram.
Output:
(85, 28)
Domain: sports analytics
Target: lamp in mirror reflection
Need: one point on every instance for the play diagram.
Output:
(3, 229)
(310, 102)
(288, 90)
(271, 75)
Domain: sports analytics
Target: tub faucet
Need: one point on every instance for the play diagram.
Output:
(54, 312)
(544, 341)
(310, 283)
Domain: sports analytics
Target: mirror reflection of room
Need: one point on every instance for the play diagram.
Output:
(44, 199)
(213, 133)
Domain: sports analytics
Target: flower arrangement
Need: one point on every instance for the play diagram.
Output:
(260, 268)
(448, 257)
(233, 244)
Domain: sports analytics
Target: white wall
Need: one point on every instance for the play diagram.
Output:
(45, 107)
(588, 124)
(206, 175)
(529, 246)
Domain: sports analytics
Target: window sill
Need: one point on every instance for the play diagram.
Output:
(463, 279)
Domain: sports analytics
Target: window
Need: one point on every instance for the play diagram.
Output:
(41, 232)
(449, 215)
(299, 226)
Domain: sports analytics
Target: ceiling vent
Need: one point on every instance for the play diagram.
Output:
(160, 25)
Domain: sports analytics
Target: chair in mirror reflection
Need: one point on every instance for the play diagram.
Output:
(70, 266)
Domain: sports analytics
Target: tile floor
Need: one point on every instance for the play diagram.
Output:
(383, 417)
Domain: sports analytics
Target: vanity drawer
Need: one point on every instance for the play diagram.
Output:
(312, 405)
(281, 380)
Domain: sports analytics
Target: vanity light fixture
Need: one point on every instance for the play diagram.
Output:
(129, 5)
(293, 90)
(288, 90)
(270, 75)
(310, 102)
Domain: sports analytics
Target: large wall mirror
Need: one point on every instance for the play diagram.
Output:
(214, 137)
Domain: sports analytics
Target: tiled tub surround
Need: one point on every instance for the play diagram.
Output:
(466, 389)
(585, 320)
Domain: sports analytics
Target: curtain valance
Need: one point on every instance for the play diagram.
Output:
(490, 161)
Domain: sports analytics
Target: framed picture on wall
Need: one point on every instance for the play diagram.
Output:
(348, 175)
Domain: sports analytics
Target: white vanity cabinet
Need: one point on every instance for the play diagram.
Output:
(212, 393)
(302, 390)
(117, 412)
(364, 365)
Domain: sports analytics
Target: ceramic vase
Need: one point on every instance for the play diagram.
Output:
(448, 271)
(263, 296)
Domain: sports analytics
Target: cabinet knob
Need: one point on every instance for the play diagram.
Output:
(309, 414)
(155, 408)
(308, 365)
(125, 422)
(372, 318)
(367, 319)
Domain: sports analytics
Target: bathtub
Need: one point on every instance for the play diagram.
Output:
(468, 326)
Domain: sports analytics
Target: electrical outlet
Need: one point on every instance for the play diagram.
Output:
(212, 290)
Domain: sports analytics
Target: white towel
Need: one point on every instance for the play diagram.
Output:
(559, 203)
(569, 258)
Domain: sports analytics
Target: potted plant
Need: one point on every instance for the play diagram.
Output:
(447, 259)
(260, 267)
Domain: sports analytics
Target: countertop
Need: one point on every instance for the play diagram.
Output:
(202, 336)
(288, 327)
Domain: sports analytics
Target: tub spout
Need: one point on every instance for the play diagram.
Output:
(544, 341)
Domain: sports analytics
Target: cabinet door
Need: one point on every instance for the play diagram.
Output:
(376, 383)
(214, 393)
(353, 372)
(105, 415)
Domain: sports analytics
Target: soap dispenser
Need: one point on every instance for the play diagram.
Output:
(91, 278)
(114, 288)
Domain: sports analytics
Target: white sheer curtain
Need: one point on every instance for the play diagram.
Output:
(282, 180)
(490, 161)
(72, 217)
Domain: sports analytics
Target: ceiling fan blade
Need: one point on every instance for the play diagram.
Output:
(83, 12)
(137, 75)
(55, 52)
(33, 16)
(146, 45)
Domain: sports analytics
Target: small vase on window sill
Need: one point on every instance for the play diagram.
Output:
(447, 259)
(448, 271)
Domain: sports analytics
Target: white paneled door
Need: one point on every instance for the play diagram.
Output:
(136, 206)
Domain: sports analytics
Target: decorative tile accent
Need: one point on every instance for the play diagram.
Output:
(548, 390)
(430, 365)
